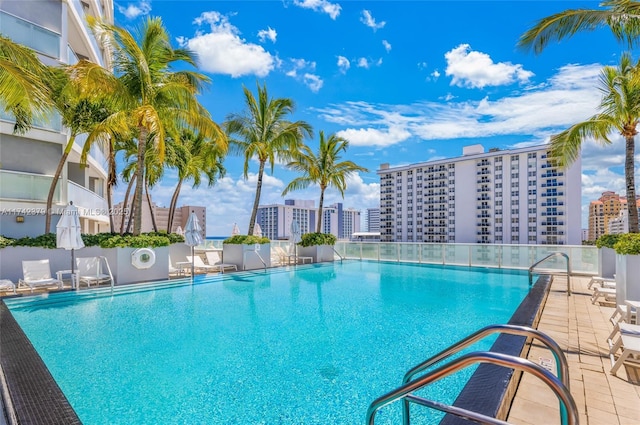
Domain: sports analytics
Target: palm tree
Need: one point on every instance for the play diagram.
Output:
(262, 131)
(23, 91)
(322, 169)
(194, 158)
(621, 16)
(150, 97)
(620, 112)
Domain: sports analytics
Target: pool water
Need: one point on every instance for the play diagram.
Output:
(306, 345)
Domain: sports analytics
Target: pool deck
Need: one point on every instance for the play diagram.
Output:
(581, 329)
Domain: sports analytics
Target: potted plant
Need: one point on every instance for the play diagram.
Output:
(317, 245)
(607, 255)
(247, 252)
(627, 265)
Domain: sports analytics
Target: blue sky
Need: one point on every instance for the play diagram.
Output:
(403, 81)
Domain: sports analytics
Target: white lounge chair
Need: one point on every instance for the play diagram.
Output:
(37, 273)
(213, 258)
(629, 342)
(604, 282)
(7, 285)
(90, 271)
(609, 295)
(280, 254)
(198, 264)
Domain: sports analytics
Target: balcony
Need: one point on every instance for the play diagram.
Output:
(556, 184)
(89, 204)
(31, 35)
(26, 187)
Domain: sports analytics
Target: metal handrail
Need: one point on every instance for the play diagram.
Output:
(337, 253)
(113, 282)
(562, 366)
(244, 259)
(553, 254)
(505, 360)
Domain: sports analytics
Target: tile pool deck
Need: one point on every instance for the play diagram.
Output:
(581, 329)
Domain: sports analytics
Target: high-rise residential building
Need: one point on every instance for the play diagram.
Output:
(620, 224)
(161, 217)
(275, 219)
(57, 30)
(373, 219)
(516, 196)
(603, 211)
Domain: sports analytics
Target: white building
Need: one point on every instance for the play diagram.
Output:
(514, 196)
(340, 222)
(57, 30)
(373, 220)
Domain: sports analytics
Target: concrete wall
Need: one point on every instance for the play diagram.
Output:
(40, 158)
(235, 254)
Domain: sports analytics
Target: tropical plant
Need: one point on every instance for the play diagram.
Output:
(620, 112)
(312, 239)
(23, 89)
(628, 244)
(607, 241)
(245, 240)
(148, 95)
(194, 157)
(263, 132)
(621, 16)
(324, 169)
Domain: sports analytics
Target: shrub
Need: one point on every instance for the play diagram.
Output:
(607, 241)
(173, 237)
(130, 241)
(103, 240)
(628, 244)
(245, 240)
(312, 239)
(5, 241)
(43, 241)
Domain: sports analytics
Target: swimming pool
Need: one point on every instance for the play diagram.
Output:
(309, 345)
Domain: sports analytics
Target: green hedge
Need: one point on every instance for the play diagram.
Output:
(246, 240)
(628, 244)
(313, 239)
(103, 240)
(607, 241)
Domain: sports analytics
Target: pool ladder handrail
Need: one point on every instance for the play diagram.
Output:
(553, 254)
(113, 282)
(559, 385)
(337, 253)
(255, 251)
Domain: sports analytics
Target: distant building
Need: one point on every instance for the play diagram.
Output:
(275, 219)
(585, 234)
(161, 215)
(517, 196)
(606, 209)
(373, 220)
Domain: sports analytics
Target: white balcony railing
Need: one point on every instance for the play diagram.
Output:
(89, 203)
(19, 186)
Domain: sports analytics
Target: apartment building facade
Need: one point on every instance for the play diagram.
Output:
(373, 220)
(607, 215)
(161, 217)
(517, 196)
(57, 30)
(341, 222)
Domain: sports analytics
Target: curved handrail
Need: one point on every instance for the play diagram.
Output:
(244, 254)
(505, 360)
(337, 253)
(562, 367)
(113, 282)
(553, 254)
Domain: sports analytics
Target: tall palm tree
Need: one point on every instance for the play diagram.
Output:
(262, 131)
(23, 91)
(619, 112)
(621, 16)
(195, 157)
(324, 169)
(150, 97)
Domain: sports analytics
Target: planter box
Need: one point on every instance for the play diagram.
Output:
(320, 253)
(124, 272)
(627, 278)
(244, 256)
(607, 262)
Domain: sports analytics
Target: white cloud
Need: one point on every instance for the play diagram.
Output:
(387, 45)
(324, 6)
(269, 34)
(223, 51)
(474, 69)
(133, 10)
(374, 136)
(369, 21)
(343, 64)
(313, 81)
(363, 63)
(308, 78)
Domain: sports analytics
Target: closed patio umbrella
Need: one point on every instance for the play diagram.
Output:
(295, 236)
(235, 230)
(68, 233)
(257, 230)
(192, 236)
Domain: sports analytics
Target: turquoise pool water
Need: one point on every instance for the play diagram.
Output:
(312, 345)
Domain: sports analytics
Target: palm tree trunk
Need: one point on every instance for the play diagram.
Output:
(631, 185)
(133, 213)
(54, 183)
(153, 216)
(319, 228)
(125, 204)
(142, 146)
(173, 205)
(112, 180)
(256, 202)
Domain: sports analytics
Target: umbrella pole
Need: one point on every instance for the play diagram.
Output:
(72, 261)
(192, 263)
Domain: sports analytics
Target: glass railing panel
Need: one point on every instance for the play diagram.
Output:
(370, 251)
(457, 254)
(53, 121)
(351, 250)
(516, 256)
(432, 253)
(28, 187)
(389, 251)
(72, 58)
(31, 35)
(83, 198)
(485, 255)
(409, 252)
